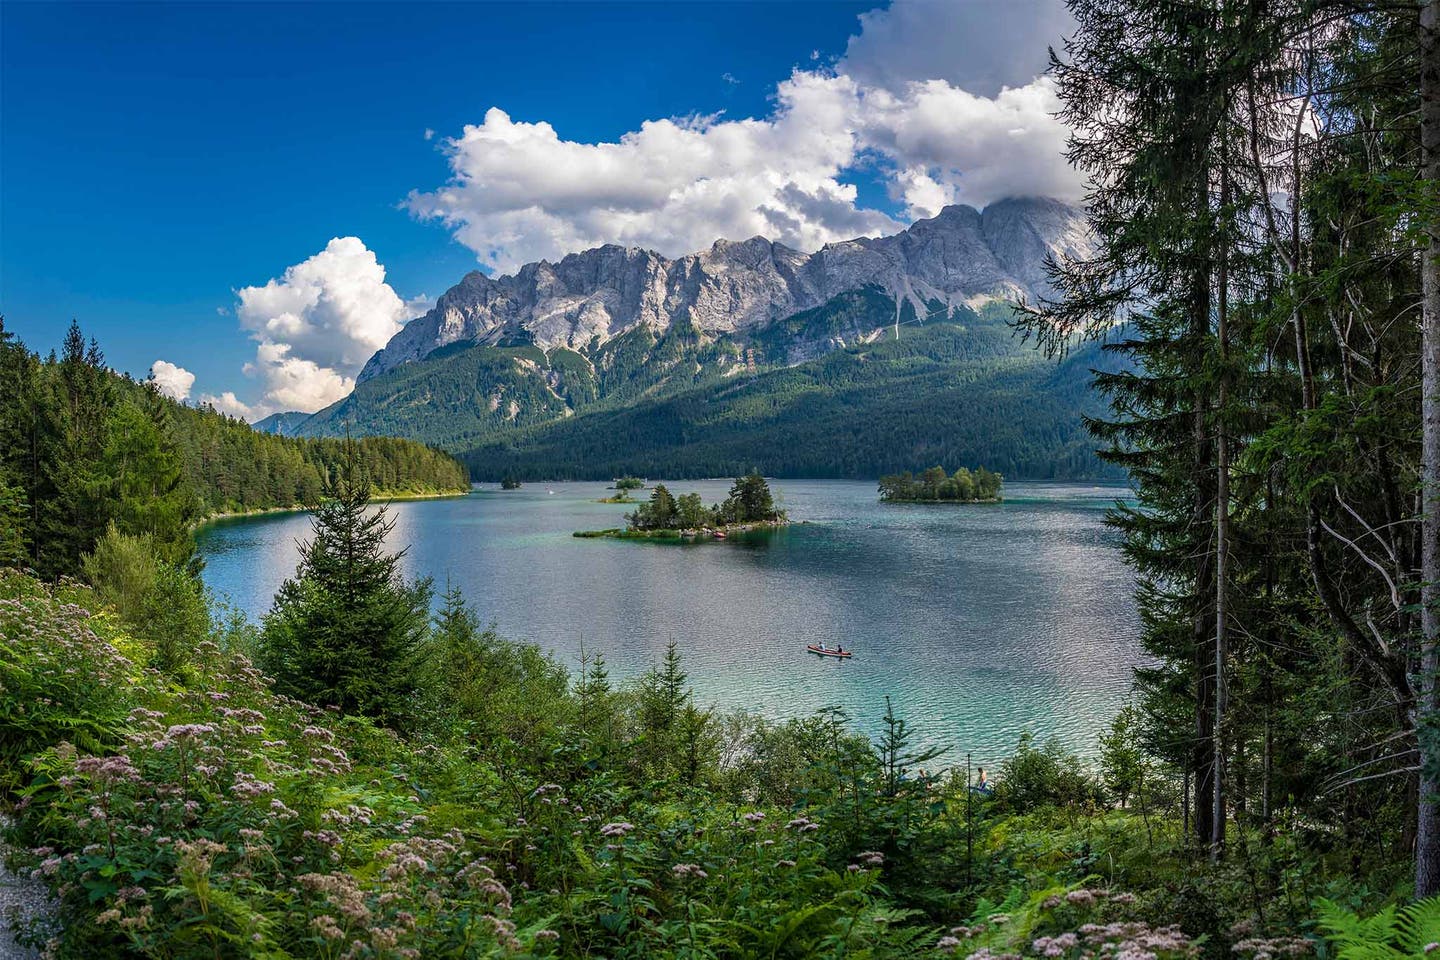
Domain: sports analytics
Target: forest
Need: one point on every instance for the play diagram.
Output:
(357, 776)
(84, 450)
(944, 392)
(966, 486)
(749, 502)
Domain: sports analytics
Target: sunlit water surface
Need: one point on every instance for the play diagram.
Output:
(981, 622)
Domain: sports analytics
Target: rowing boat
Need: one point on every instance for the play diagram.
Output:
(813, 648)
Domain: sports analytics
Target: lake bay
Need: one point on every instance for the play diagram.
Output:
(981, 622)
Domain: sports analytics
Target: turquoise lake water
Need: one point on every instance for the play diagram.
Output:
(981, 622)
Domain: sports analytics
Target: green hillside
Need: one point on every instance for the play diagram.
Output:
(84, 449)
(945, 393)
(465, 393)
(789, 397)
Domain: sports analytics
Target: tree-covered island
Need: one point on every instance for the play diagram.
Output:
(935, 485)
(664, 516)
(622, 488)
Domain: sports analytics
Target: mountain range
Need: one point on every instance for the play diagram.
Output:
(618, 359)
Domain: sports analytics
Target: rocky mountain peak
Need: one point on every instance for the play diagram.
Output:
(959, 255)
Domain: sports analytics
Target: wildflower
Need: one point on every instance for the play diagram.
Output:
(109, 769)
(755, 816)
(618, 829)
(689, 870)
(188, 731)
(871, 858)
(326, 926)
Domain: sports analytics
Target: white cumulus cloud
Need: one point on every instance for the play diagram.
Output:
(173, 381)
(232, 405)
(948, 145)
(315, 326)
(520, 191)
(982, 46)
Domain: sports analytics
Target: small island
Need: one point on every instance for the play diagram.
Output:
(664, 516)
(936, 486)
(622, 487)
(509, 483)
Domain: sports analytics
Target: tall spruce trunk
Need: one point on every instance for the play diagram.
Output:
(1222, 529)
(1203, 757)
(1427, 843)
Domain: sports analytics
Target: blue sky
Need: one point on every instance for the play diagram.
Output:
(160, 164)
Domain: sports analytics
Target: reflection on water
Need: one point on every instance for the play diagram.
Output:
(981, 622)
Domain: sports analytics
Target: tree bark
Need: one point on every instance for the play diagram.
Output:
(1427, 843)
(1203, 630)
(1222, 528)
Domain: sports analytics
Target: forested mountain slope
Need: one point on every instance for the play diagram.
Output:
(944, 393)
(721, 360)
(826, 392)
(82, 448)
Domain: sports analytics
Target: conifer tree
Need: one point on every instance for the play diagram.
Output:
(345, 628)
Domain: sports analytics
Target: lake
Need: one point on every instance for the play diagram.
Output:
(981, 622)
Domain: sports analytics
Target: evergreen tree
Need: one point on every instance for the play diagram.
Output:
(664, 698)
(14, 519)
(750, 500)
(345, 628)
(71, 496)
(147, 478)
(594, 693)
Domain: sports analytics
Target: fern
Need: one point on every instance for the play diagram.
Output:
(1391, 934)
(1420, 926)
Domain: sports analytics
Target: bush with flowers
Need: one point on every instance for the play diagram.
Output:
(215, 818)
(207, 816)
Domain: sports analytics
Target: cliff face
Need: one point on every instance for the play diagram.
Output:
(586, 299)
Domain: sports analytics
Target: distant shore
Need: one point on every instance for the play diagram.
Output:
(378, 497)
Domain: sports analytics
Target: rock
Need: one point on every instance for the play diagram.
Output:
(959, 256)
(22, 902)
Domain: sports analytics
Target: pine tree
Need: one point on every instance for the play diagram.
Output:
(1427, 866)
(750, 500)
(14, 519)
(594, 692)
(146, 476)
(344, 630)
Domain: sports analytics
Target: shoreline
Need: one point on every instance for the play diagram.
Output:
(965, 503)
(683, 535)
(300, 508)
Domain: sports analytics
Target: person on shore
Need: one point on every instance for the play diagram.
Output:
(982, 783)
